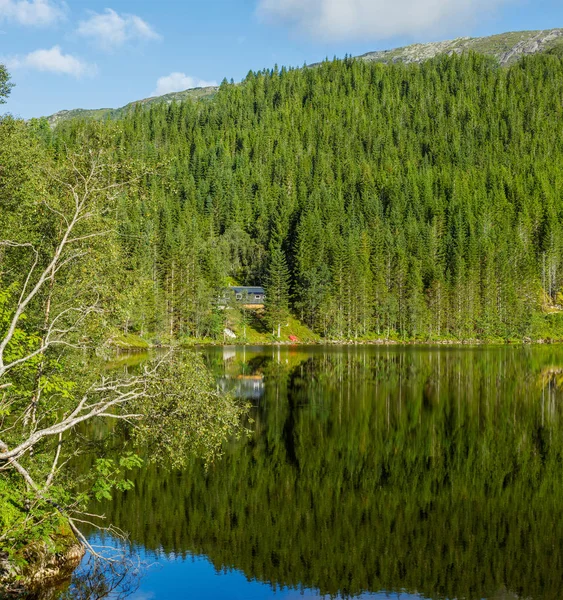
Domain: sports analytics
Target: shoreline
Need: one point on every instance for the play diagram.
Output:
(377, 342)
(380, 343)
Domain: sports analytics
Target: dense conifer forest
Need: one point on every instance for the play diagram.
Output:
(387, 201)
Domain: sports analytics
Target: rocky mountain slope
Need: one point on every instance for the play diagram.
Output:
(507, 48)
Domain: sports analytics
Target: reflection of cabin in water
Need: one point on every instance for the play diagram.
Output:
(248, 387)
(247, 296)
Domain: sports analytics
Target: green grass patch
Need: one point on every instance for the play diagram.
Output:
(250, 328)
(128, 341)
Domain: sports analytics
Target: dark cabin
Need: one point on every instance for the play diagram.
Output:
(250, 296)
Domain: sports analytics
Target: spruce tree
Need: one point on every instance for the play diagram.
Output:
(277, 292)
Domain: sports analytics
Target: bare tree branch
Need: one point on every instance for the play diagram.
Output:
(83, 412)
(53, 471)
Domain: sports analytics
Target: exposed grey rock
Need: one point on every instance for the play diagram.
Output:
(507, 48)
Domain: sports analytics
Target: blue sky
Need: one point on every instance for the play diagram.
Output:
(106, 53)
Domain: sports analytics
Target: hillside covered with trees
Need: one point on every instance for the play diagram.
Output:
(391, 201)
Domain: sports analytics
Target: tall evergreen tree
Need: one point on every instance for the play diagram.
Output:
(277, 292)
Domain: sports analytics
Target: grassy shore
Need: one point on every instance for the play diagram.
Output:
(295, 333)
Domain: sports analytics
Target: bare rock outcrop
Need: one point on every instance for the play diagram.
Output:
(507, 48)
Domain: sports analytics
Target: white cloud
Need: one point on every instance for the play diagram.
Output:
(53, 61)
(111, 30)
(31, 12)
(373, 19)
(177, 82)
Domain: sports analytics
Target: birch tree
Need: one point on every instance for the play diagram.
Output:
(56, 275)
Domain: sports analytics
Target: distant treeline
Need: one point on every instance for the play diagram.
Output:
(416, 201)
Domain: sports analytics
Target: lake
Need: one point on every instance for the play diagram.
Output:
(370, 472)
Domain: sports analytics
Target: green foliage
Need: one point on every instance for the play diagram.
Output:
(188, 415)
(24, 519)
(277, 292)
(109, 475)
(82, 294)
(557, 50)
(5, 85)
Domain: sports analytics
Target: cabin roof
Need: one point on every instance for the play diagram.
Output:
(240, 289)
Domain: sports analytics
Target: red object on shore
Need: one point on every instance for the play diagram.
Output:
(293, 338)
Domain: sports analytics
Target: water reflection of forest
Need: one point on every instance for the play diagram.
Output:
(430, 471)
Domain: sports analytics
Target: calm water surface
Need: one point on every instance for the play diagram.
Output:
(369, 472)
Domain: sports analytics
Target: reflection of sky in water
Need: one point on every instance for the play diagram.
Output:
(196, 578)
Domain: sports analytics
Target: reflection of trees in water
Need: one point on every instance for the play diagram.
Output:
(551, 376)
(429, 471)
(93, 580)
(97, 579)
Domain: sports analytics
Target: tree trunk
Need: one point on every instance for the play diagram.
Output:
(32, 415)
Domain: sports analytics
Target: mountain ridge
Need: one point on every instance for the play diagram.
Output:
(507, 48)
(200, 93)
